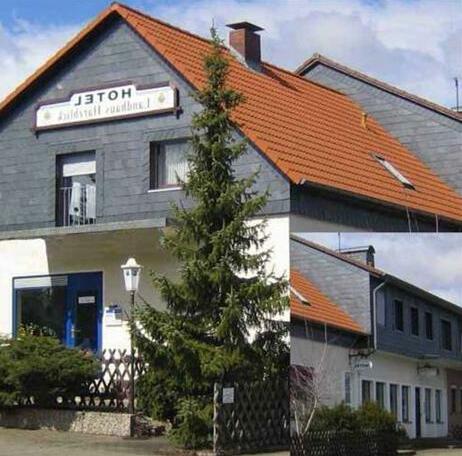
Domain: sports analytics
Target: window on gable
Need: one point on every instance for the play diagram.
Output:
(414, 321)
(446, 335)
(168, 163)
(429, 325)
(76, 189)
(394, 172)
(399, 315)
(380, 306)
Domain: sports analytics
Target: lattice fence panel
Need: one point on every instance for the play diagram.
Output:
(345, 443)
(110, 391)
(257, 420)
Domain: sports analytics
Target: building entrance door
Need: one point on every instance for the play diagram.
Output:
(68, 306)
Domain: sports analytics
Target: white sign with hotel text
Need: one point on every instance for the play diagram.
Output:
(104, 104)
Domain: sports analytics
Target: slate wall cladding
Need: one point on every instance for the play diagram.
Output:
(435, 138)
(345, 284)
(327, 211)
(27, 161)
(403, 342)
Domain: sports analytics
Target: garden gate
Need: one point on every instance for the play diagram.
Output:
(251, 417)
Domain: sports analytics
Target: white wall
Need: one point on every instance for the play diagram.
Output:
(331, 360)
(401, 371)
(386, 368)
(18, 258)
(279, 243)
(105, 252)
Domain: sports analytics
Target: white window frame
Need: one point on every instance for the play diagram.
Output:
(349, 375)
(408, 403)
(428, 409)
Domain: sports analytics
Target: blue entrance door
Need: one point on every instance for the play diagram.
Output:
(84, 310)
(69, 305)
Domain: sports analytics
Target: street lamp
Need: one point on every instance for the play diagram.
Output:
(131, 271)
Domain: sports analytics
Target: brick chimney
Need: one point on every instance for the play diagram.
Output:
(244, 39)
(363, 254)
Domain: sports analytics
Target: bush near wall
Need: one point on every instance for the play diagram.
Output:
(342, 417)
(36, 365)
(341, 430)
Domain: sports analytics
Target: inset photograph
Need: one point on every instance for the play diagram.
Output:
(376, 340)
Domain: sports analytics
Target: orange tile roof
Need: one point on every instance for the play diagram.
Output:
(312, 134)
(320, 308)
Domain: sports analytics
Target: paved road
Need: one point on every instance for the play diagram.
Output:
(16, 442)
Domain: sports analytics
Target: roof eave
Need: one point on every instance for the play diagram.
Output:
(329, 325)
(369, 199)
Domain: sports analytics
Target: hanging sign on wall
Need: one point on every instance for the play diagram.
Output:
(106, 104)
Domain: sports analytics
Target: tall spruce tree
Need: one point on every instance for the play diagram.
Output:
(218, 325)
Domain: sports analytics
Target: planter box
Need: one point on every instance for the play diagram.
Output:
(101, 423)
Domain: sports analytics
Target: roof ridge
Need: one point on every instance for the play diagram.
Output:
(302, 79)
(187, 32)
(371, 269)
(319, 58)
(160, 21)
(338, 255)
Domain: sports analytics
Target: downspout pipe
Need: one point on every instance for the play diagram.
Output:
(374, 307)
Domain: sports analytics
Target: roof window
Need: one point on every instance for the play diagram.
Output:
(394, 172)
(299, 296)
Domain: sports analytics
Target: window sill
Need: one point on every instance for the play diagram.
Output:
(164, 189)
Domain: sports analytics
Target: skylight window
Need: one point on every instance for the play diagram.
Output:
(299, 296)
(394, 172)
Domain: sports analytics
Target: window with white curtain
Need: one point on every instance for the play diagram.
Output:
(168, 163)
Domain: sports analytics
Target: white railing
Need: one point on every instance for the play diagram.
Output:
(77, 205)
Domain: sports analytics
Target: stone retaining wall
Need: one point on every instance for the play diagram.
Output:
(117, 424)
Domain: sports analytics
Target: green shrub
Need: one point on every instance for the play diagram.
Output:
(39, 366)
(369, 416)
(340, 417)
(193, 424)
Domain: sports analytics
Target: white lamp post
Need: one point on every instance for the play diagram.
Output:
(131, 271)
